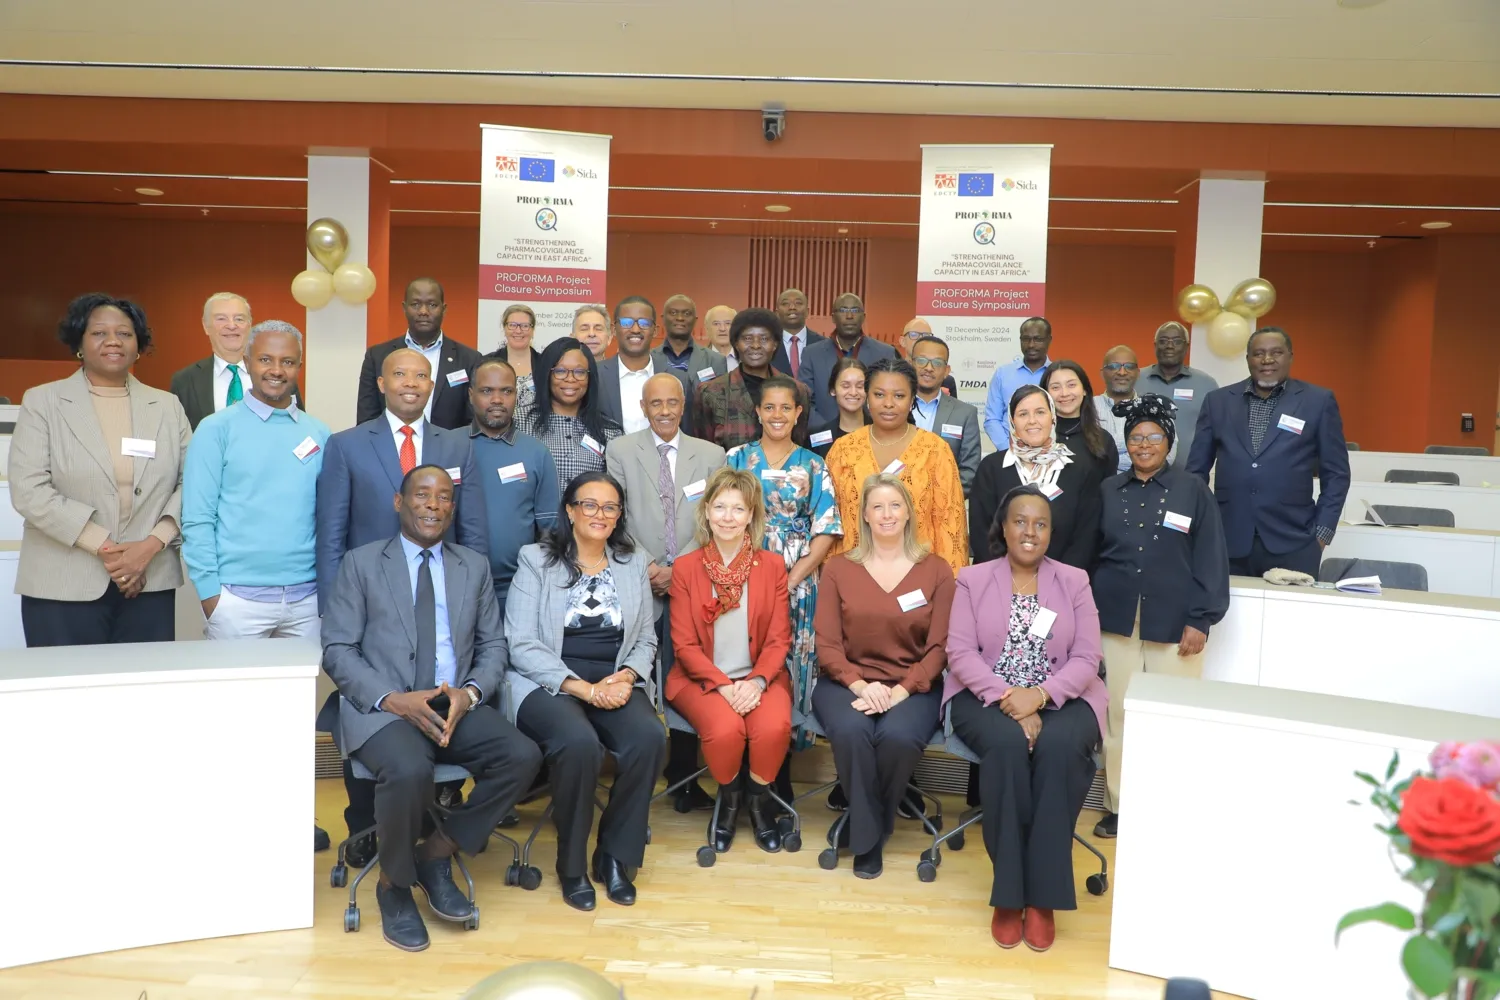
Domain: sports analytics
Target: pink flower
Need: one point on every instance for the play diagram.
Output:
(1479, 764)
(1443, 757)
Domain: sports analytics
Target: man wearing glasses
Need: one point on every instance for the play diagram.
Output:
(947, 416)
(1120, 371)
(622, 378)
(1172, 378)
(848, 341)
(448, 406)
(679, 352)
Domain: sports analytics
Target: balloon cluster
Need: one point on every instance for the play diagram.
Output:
(328, 242)
(1228, 324)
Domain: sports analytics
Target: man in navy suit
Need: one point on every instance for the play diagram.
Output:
(1270, 435)
(848, 340)
(362, 472)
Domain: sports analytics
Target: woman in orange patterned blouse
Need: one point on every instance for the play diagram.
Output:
(893, 443)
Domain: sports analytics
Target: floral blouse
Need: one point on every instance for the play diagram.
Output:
(1023, 662)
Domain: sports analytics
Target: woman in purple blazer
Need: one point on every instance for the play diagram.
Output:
(1023, 692)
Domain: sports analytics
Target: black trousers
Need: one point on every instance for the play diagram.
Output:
(1031, 799)
(502, 761)
(574, 737)
(150, 616)
(875, 755)
(1307, 559)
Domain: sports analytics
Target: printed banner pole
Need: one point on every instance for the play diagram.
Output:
(982, 253)
(543, 227)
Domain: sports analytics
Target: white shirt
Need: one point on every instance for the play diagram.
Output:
(416, 438)
(431, 354)
(222, 379)
(786, 342)
(632, 385)
(657, 442)
(925, 413)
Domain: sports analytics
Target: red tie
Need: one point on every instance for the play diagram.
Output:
(796, 362)
(408, 451)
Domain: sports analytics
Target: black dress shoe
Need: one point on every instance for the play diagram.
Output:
(320, 838)
(400, 920)
(611, 874)
(1108, 828)
(361, 851)
(577, 891)
(837, 800)
(450, 796)
(911, 806)
(435, 879)
(730, 800)
(691, 798)
(763, 819)
(869, 865)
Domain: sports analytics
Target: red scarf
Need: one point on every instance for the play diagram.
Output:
(728, 580)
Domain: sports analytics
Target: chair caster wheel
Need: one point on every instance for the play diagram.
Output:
(338, 877)
(513, 874)
(472, 924)
(681, 804)
(792, 843)
(706, 857)
(531, 878)
(933, 856)
(828, 859)
(926, 871)
(351, 919)
(956, 841)
(648, 829)
(1097, 885)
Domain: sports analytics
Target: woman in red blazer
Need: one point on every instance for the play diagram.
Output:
(731, 632)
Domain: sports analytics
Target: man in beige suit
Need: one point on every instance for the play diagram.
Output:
(664, 472)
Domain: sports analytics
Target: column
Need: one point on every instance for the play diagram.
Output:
(1220, 236)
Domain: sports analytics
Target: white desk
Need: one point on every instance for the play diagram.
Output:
(1472, 506)
(1458, 561)
(1371, 466)
(1243, 881)
(142, 762)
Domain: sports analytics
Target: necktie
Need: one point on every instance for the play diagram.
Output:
(408, 451)
(667, 490)
(792, 355)
(236, 391)
(426, 625)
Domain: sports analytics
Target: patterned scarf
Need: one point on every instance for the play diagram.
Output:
(1045, 461)
(728, 580)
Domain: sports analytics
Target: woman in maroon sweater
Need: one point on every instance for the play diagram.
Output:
(881, 623)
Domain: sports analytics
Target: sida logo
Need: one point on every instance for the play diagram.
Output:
(1014, 185)
(582, 173)
(507, 166)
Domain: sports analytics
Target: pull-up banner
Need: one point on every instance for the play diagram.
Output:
(982, 253)
(543, 227)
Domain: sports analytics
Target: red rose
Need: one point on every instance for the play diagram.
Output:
(1450, 820)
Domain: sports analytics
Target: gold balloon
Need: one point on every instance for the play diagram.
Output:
(353, 283)
(1252, 298)
(545, 981)
(313, 289)
(328, 242)
(1197, 304)
(1228, 333)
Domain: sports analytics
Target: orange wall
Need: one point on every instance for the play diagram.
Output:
(1397, 352)
(1465, 342)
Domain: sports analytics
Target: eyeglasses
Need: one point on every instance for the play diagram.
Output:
(592, 508)
(1275, 354)
(573, 374)
(626, 323)
(928, 362)
(1122, 366)
(848, 311)
(518, 327)
(1140, 439)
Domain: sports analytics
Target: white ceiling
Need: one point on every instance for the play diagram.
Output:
(1407, 46)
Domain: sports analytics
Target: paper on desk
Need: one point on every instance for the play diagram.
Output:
(1359, 585)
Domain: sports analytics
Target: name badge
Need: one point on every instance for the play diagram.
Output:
(514, 473)
(1177, 522)
(912, 601)
(1050, 490)
(1182, 394)
(1290, 423)
(704, 374)
(1041, 625)
(894, 469)
(307, 449)
(458, 378)
(694, 491)
(954, 431)
(456, 474)
(774, 474)
(592, 445)
(819, 438)
(138, 447)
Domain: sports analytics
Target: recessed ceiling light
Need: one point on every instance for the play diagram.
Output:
(778, 208)
(1436, 225)
(152, 192)
(1359, 4)
(843, 229)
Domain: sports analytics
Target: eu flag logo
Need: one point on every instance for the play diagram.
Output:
(534, 169)
(969, 185)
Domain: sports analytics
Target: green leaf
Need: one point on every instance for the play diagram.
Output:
(1427, 965)
(1393, 914)
(1450, 921)
(1480, 899)
(1368, 779)
(1390, 772)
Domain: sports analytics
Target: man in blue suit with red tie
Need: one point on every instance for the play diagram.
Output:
(1270, 435)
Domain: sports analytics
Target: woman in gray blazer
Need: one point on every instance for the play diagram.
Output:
(96, 473)
(582, 645)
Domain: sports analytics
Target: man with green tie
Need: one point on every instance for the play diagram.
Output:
(219, 380)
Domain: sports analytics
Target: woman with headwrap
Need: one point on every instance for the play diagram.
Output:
(1163, 576)
(1036, 458)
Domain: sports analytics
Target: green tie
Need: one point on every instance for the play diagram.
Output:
(236, 391)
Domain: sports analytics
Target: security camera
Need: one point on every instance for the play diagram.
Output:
(772, 123)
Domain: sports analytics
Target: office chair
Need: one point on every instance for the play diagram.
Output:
(1455, 449)
(1395, 514)
(1432, 476)
(1097, 884)
(1400, 575)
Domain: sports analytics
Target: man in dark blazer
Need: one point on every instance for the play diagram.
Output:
(949, 417)
(796, 338)
(413, 639)
(451, 361)
(633, 365)
(207, 386)
(848, 340)
(1270, 435)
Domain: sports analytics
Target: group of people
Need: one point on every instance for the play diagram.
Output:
(515, 561)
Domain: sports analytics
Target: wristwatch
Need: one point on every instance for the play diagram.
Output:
(473, 696)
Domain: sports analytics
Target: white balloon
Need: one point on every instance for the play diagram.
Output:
(353, 283)
(312, 289)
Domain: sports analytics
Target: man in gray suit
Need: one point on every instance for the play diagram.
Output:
(664, 463)
(413, 639)
(623, 377)
(848, 340)
(934, 410)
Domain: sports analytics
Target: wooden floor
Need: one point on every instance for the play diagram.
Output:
(775, 926)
